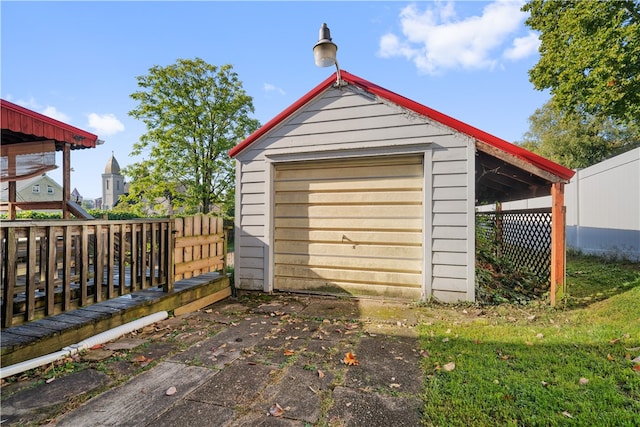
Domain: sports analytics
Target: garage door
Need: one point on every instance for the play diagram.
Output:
(350, 227)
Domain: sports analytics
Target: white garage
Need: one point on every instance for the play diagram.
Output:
(355, 190)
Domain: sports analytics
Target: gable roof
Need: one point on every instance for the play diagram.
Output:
(482, 136)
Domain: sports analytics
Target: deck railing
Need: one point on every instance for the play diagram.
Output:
(49, 267)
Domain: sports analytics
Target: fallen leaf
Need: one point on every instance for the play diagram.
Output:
(614, 341)
(425, 353)
(567, 414)
(394, 385)
(208, 310)
(141, 359)
(636, 368)
(449, 366)
(170, 391)
(50, 380)
(96, 347)
(583, 381)
(544, 384)
(540, 336)
(288, 352)
(350, 359)
(320, 374)
(276, 410)
(610, 357)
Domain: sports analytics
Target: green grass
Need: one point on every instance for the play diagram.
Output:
(518, 366)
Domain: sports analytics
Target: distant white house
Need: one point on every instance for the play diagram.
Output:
(41, 188)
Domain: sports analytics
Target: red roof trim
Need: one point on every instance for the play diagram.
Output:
(22, 120)
(515, 150)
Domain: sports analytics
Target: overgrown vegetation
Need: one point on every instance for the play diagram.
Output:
(498, 280)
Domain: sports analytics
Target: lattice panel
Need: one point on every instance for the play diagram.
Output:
(522, 236)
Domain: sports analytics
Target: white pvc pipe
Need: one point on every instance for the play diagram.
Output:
(101, 338)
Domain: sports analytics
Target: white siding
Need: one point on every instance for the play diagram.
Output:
(343, 123)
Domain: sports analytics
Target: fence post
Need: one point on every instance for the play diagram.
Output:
(170, 269)
(558, 243)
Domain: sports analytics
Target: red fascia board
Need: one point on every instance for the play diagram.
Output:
(515, 150)
(22, 120)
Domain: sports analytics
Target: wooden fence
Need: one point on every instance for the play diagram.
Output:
(200, 246)
(49, 267)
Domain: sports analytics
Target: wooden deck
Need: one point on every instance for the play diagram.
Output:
(44, 336)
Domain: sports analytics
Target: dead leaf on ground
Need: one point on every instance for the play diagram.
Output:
(636, 368)
(96, 347)
(610, 358)
(449, 366)
(350, 359)
(567, 414)
(141, 359)
(276, 410)
(320, 374)
(171, 391)
(288, 352)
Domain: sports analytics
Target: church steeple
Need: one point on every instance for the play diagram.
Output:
(112, 183)
(112, 165)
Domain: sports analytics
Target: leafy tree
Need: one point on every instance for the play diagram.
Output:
(575, 141)
(194, 113)
(589, 56)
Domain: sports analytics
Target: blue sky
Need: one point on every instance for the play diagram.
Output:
(78, 61)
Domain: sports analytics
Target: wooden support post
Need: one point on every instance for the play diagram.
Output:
(12, 200)
(66, 179)
(558, 242)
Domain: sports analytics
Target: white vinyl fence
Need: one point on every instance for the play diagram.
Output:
(603, 208)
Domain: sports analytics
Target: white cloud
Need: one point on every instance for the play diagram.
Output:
(105, 125)
(268, 87)
(523, 47)
(436, 39)
(53, 112)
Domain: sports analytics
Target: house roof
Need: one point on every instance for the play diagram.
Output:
(20, 124)
(499, 144)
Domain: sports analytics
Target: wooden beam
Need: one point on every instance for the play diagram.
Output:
(66, 179)
(558, 242)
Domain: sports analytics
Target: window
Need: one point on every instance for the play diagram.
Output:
(107, 182)
(51, 190)
(35, 189)
(118, 185)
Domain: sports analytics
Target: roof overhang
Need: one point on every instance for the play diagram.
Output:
(20, 125)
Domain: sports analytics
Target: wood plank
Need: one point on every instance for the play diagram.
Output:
(205, 239)
(348, 275)
(407, 224)
(348, 170)
(347, 248)
(411, 184)
(347, 197)
(203, 302)
(374, 264)
(398, 212)
(351, 289)
(338, 236)
(187, 267)
(31, 275)
(10, 278)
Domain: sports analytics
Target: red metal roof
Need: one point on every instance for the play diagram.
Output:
(21, 120)
(515, 150)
